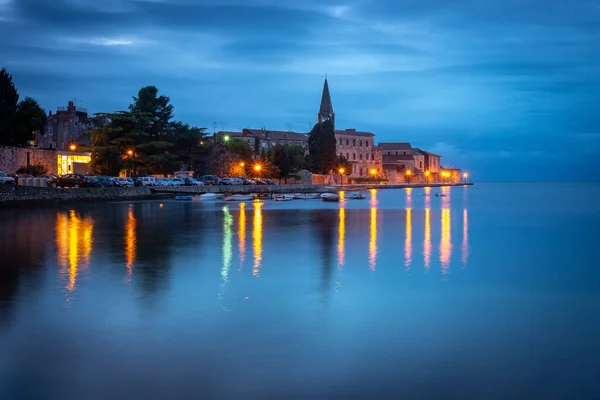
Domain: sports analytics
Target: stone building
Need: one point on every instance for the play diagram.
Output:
(359, 148)
(68, 126)
(432, 161)
(264, 139)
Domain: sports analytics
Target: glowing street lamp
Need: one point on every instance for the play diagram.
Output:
(465, 176)
(427, 173)
(72, 147)
(341, 171)
(226, 138)
(130, 152)
(242, 165)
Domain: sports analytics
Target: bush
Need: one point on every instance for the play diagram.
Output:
(34, 169)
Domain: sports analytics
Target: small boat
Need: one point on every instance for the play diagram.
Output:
(239, 197)
(299, 196)
(312, 196)
(208, 196)
(330, 197)
(183, 198)
(283, 197)
(357, 196)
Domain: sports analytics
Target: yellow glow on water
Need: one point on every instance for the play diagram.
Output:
(74, 244)
(408, 239)
(341, 238)
(227, 251)
(130, 241)
(427, 240)
(242, 234)
(373, 239)
(446, 241)
(465, 238)
(373, 202)
(342, 194)
(257, 232)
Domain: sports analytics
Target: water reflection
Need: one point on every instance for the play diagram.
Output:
(427, 239)
(227, 251)
(130, 241)
(257, 231)
(341, 237)
(465, 238)
(408, 231)
(242, 234)
(74, 245)
(446, 237)
(373, 231)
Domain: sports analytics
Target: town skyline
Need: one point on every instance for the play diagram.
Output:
(486, 85)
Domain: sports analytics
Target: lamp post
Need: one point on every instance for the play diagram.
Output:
(465, 176)
(341, 171)
(408, 174)
(73, 147)
(373, 172)
(257, 169)
(427, 173)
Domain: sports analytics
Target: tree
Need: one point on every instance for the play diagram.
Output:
(287, 159)
(9, 98)
(321, 147)
(156, 110)
(28, 119)
(106, 161)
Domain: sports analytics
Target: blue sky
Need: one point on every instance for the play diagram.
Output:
(504, 89)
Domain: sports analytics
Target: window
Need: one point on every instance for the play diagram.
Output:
(354, 156)
(347, 142)
(347, 156)
(360, 156)
(367, 143)
(361, 172)
(404, 152)
(341, 140)
(50, 130)
(360, 143)
(372, 157)
(421, 164)
(353, 142)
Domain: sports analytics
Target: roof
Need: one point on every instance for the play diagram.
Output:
(326, 108)
(396, 146)
(353, 132)
(276, 135)
(391, 159)
(428, 153)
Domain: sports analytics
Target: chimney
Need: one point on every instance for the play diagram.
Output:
(71, 106)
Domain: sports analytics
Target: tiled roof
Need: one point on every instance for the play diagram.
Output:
(353, 132)
(396, 146)
(276, 135)
(396, 159)
(428, 153)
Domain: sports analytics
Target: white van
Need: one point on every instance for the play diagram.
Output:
(148, 181)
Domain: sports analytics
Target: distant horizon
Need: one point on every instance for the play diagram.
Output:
(502, 90)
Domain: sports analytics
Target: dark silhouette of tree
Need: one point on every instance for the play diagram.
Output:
(344, 164)
(321, 147)
(9, 98)
(156, 110)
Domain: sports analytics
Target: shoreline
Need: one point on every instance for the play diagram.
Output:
(26, 196)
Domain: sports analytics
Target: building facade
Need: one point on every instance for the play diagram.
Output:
(68, 126)
(432, 161)
(359, 148)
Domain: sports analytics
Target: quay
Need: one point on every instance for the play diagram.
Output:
(287, 189)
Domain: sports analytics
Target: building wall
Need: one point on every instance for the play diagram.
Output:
(419, 162)
(12, 158)
(359, 150)
(432, 164)
(397, 152)
(68, 125)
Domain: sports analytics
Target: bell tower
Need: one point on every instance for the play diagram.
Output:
(326, 109)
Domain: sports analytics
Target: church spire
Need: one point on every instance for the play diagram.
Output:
(326, 109)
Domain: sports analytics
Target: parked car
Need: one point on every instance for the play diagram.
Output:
(210, 179)
(6, 180)
(105, 181)
(124, 182)
(148, 181)
(227, 181)
(259, 182)
(269, 182)
(191, 182)
(50, 179)
(76, 181)
(164, 182)
(247, 181)
(237, 180)
(177, 181)
(137, 182)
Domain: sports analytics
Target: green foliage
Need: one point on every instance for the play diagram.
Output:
(321, 147)
(287, 158)
(34, 169)
(345, 164)
(239, 147)
(106, 161)
(155, 110)
(18, 120)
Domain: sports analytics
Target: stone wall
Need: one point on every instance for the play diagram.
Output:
(361, 152)
(12, 158)
(15, 195)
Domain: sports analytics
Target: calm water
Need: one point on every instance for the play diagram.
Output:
(490, 292)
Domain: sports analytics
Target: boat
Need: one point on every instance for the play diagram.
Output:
(283, 197)
(312, 196)
(239, 197)
(330, 197)
(208, 196)
(183, 198)
(357, 196)
(299, 196)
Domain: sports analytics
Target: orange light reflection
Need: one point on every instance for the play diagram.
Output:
(373, 239)
(465, 238)
(130, 241)
(242, 234)
(74, 244)
(341, 238)
(257, 237)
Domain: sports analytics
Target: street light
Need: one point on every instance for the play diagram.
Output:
(341, 171)
(257, 167)
(130, 152)
(465, 176)
(72, 147)
(226, 138)
(427, 173)
(242, 165)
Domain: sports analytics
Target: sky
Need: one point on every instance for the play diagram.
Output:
(507, 90)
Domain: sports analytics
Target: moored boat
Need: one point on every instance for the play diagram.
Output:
(330, 197)
(208, 196)
(183, 198)
(357, 196)
(239, 197)
(283, 197)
